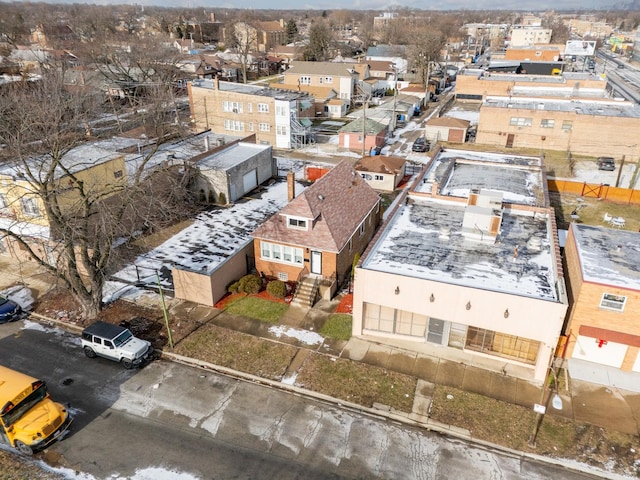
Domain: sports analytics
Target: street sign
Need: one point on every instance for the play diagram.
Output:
(579, 47)
(541, 409)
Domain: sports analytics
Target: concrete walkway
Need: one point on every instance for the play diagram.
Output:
(606, 405)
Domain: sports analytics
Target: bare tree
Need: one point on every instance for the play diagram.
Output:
(320, 39)
(41, 124)
(425, 51)
(244, 38)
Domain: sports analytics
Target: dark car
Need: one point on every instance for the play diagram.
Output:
(420, 145)
(10, 311)
(606, 163)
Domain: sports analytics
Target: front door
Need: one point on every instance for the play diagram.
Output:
(510, 138)
(435, 331)
(316, 262)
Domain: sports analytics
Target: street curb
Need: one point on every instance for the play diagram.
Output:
(382, 413)
(390, 414)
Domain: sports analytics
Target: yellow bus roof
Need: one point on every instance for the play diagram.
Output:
(12, 383)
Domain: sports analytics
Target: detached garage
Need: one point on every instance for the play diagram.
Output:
(229, 174)
(445, 129)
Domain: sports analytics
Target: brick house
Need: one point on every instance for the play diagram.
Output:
(319, 233)
(604, 294)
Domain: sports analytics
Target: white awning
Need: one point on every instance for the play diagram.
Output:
(306, 122)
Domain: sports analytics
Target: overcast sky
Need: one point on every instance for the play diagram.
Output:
(519, 5)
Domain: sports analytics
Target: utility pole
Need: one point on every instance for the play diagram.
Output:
(364, 125)
(394, 116)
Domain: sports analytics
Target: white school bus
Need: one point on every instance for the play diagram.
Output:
(29, 419)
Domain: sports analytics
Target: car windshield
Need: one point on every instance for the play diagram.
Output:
(24, 406)
(123, 338)
(3, 300)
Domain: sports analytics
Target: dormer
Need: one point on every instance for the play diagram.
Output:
(297, 223)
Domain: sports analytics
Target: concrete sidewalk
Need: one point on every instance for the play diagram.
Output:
(607, 405)
(596, 394)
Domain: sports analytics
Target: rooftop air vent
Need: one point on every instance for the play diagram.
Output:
(444, 233)
(534, 244)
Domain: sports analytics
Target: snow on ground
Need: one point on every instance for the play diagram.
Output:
(462, 114)
(304, 336)
(21, 295)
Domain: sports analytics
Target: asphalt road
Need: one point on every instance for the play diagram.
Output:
(188, 422)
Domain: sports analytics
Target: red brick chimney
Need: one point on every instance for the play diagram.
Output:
(291, 186)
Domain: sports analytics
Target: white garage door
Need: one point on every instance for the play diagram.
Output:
(611, 353)
(250, 181)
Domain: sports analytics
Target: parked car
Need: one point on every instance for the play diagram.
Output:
(420, 145)
(606, 163)
(10, 311)
(115, 343)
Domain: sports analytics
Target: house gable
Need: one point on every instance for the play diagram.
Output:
(334, 207)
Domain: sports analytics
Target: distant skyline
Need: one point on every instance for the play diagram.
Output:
(381, 5)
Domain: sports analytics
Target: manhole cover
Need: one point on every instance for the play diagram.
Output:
(67, 381)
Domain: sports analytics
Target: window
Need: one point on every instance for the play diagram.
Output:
(502, 345)
(234, 125)
(281, 129)
(264, 127)
(385, 319)
(547, 123)
(567, 125)
(328, 80)
(613, 302)
(251, 126)
(378, 177)
(249, 108)
(234, 107)
(281, 253)
(263, 108)
(30, 207)
(362, 229)
(298, 223)
(281, 111)
(520, 122)
(305, 80)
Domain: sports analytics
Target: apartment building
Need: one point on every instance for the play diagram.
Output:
(341, 77)
(278, 118)
(520, 35)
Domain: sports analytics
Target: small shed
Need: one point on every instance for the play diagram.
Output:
(446, 129)
(381, 172)
(372, 133)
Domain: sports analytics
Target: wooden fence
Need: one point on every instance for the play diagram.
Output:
(593, 190)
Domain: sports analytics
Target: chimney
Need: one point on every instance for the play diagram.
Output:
(291, 186)
(206, 143)
(216, 83)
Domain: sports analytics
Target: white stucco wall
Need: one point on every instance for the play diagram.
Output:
(528, 317)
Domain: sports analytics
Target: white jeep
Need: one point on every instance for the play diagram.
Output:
(115, 343)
